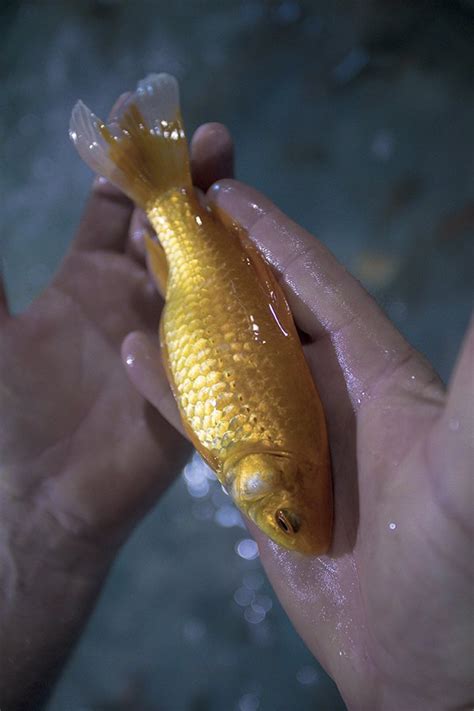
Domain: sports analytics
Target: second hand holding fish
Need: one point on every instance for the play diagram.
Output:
(230, 348)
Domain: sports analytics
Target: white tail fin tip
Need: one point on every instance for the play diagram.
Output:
(85, 134)
(157, 97)
(142, 149)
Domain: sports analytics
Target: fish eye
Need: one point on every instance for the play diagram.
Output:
(287, 521)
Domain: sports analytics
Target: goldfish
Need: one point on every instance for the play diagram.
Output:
(229, 344)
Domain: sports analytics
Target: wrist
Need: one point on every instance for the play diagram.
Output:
(49, 581)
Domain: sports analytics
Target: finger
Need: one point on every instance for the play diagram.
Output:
(143, 361)
(212, 155)
(106, 218)
(325, 299)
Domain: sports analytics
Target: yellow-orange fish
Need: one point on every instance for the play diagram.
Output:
(230, 347)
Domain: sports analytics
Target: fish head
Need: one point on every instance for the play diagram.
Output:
(268, 487)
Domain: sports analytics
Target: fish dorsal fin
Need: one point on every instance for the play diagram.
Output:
(270, 286)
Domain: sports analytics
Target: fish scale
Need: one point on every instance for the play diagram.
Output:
(220, 340)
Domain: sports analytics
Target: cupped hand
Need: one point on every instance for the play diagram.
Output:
(387, 611)
(82, 454)
(77, 441)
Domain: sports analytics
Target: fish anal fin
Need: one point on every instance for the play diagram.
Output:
(208, 457)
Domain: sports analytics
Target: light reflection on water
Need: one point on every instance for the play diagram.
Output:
(213, 503)
(249, 702)
(247, 548)
(228, 516)
(307, 675)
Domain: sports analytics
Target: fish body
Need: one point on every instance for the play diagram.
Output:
(231, 351)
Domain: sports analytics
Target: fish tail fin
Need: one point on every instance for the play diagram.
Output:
(143, 149)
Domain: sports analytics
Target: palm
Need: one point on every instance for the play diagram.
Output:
(384, 585)
(79, 435)
(82, 453)
(376, 610)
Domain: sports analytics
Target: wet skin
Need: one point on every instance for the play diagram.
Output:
(386, 612)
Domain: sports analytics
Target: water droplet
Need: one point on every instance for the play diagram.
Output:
(307, 675)
(247, 549)
(392, 526)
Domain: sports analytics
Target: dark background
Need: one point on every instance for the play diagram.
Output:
(357, 119)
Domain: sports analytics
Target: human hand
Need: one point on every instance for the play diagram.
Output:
(82, 454)
(387, 610)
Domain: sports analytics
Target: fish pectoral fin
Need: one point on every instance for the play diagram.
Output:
(208, 457)
(157, 263)
(270, 286)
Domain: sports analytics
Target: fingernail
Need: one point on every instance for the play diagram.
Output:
(243, 204)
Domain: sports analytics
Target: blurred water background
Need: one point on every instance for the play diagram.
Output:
(357, 119)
